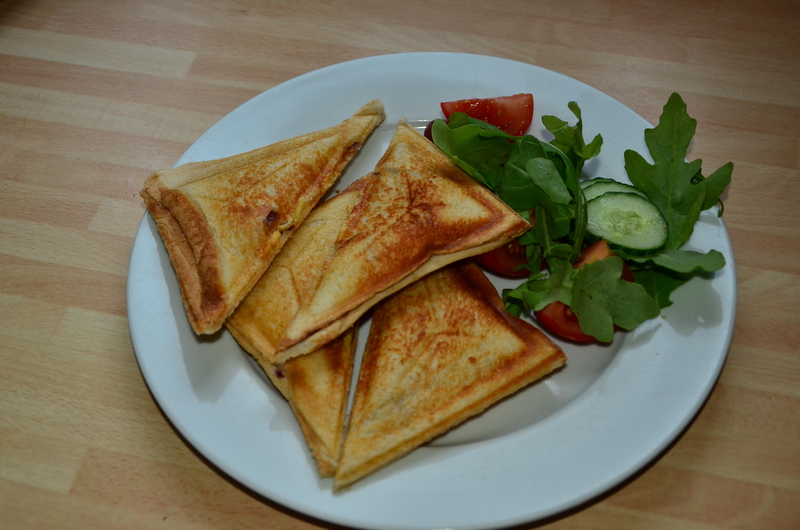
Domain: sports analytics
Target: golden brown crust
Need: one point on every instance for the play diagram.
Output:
(261, 319)
(439, 352)
(317, 387)
(196, 265)
(417, 213)
(223, 221)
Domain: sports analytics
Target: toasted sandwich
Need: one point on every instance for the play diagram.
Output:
(417, 212)
(263, 316)
(317, 386)
(223, 221)
(440, 351)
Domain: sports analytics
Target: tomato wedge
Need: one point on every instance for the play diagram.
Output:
(598, 251)
(511, 114)
(558, 317)
(505, 259)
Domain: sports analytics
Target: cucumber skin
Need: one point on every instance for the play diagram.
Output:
(609, 186)
(623, 248)
(586, 183)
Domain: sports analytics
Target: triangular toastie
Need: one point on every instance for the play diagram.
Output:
(417, 213)
(439, 351)
(317, 386)
(261, 319)
(223, 221)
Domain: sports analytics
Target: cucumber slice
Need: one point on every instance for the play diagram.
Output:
(604, 186)
(585, 183)
(628, 222)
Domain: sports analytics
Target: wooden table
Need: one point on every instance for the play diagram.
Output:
(96, 95)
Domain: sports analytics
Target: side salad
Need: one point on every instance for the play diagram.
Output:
(601, 255)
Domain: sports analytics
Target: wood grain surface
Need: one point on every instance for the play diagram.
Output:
(97, 94)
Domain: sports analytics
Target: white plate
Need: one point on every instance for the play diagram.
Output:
(551, 447)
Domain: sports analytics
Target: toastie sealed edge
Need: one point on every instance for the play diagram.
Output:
(417, 212)
(439, 351)
(317, 386)
(223, 221)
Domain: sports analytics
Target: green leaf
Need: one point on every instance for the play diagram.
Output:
(715, 185)
(659, 284)
(488, 173)
(569, 139)
(556, 253)
(542, 289)
(572, 181)
(459, 119)
(477, 151)
(514, 304)
(537, 183)
(600, 299)
(685, 261)
(544, 174)
(516, 188)
(593, 148)
(670, 181)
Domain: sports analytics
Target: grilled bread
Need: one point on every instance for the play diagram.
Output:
(439, 351)
(261, 319)
(317, 386)
(223, 221)
(417, 213)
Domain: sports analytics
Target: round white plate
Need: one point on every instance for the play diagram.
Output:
(553, 446)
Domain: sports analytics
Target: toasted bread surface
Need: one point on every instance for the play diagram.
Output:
(261, 319)
(317, 386)
(417, 213)
(223, 221)
(440, 351)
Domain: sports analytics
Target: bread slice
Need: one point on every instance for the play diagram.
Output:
(317, 387)
(223, 221)
(417, 212)
(439, 352)
(261, 319)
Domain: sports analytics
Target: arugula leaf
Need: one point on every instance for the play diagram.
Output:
(528, 182)
(665, 272)
(557, 254)
(544, 174)
(600, 299)
(516, 187)
(478, 151)
(685, 261)
(555, 287)
(659, 284)
(571, 176)
(715, 185)
(671, 182)
(569, 139)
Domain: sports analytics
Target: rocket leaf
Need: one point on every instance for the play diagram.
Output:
(676, 186)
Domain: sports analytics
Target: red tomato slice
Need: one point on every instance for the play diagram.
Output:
(505, 259)
(558, 317)
(598, 251)
(511, 114)
(592, 253)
